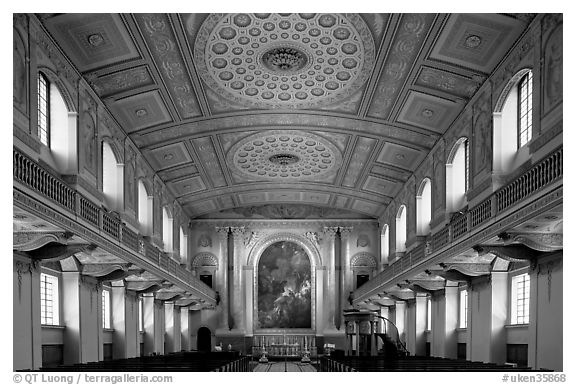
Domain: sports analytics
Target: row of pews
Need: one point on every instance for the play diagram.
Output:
(409, 364)
(172, 362)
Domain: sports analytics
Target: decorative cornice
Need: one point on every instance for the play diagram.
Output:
(51, 215)
(28, 240)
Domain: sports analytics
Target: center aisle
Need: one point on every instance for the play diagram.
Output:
(284, 367)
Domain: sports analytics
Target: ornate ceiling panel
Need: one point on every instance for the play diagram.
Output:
(169, 156)
(93, 40)
(476, 41)
(244, 109)
(284, 61)
(428, 111)
(399, 156)
(141, 111)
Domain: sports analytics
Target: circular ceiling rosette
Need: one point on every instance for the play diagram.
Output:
(284, 156)
(284, 60)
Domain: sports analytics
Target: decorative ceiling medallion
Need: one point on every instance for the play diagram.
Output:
(472, 41)
(284, 60)
(284, 155)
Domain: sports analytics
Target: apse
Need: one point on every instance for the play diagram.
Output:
(284, 287)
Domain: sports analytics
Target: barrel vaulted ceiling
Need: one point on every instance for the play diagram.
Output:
(322, 110)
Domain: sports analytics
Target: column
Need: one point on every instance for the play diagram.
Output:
(249, 298)
(346, 280)
(444, 338)
(82, 315)
(26, 329)
(400, 320)
(321, 323)
(151, 323)
(237, 297)
(172, 327)
(488, 315)
(332, 279)
(221, 282)
(421, 313)
(185, 341)
(124, 321)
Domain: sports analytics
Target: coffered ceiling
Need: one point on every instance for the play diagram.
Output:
(328, 110)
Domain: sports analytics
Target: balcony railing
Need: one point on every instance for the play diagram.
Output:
(30, 174)
(542, 174)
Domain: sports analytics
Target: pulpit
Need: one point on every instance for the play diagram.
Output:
(361, 329)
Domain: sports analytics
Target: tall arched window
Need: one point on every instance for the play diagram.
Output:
(183, 246)
(167, 234)
(512, 123)
(401, 229)
(144, 209)
(43, 109)
(384, 245)
(457, 176)
(57, 125)
(112, 179)
(424, 207)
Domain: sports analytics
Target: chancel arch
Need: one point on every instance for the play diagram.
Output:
(265, 249)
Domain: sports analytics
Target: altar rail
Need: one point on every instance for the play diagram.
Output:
(30, 174)
(280, 345)
(542, 174)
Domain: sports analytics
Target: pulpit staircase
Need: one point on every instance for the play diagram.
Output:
(392, 345)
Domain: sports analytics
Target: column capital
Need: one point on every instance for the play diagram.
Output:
(237, 232)
(222, 231)
(345, 231)
(330, 231)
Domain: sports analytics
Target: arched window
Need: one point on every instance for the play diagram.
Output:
(525, 109)
(112, 179)
(424, 208)
(43, 109)
(183, 246)
(384, 245)
(457, 176)
(401, 229)
(512, 123)
(144, 209)
(167, 234)
(57, 126)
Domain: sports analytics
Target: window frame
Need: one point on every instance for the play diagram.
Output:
(428, 314)
(55, 299)
(140, 314)
(463, 312)
(43, 108)
(515, 298)
(107, 315)
(526, 79)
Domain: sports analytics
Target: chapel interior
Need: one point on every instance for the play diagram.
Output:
(335, 190)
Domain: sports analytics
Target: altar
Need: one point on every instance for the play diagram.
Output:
(284, 346)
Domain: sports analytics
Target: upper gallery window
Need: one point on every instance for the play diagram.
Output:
(43, 109)
(525, 109)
